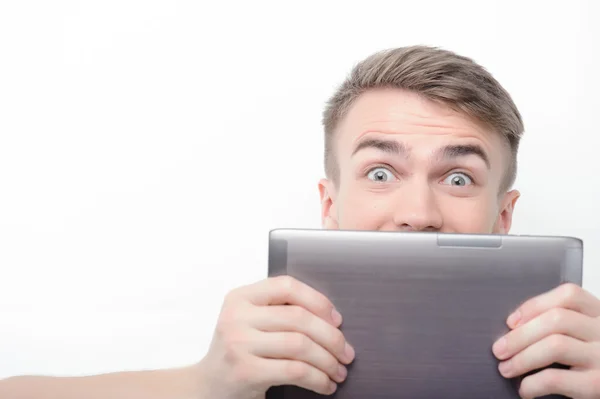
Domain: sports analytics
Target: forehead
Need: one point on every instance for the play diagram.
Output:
(421, 124)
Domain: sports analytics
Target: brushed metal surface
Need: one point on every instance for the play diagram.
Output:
(423, 316)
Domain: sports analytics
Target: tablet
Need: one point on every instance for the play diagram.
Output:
(422, 310)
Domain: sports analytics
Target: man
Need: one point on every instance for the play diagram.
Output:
(417, 139)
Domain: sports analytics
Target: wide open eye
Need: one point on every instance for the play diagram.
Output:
(458, 179)
(380, 175)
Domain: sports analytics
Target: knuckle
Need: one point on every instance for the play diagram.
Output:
(228, 322)
(285, 283)
(324, 306)
(338, 340)
(557, 316)
(298, 315)
(529, 306)
(332, 366)
(518, 363)
(223, 326)
(298, 343)
(569, 291)
(557, 345)
(228, 315)
(233, 343)
(297, 371)
(232, 295)
(323, 303)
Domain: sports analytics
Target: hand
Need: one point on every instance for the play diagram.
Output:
(561, 326)
(278, 331)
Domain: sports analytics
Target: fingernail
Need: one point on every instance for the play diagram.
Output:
(500, 346)
(505, 368)
(332, 387)
(513, 319)
(336, 317)
(342, 373)
(349, 352)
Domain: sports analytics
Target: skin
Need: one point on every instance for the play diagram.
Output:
(420, 190)
(413, 190)
(281, 331)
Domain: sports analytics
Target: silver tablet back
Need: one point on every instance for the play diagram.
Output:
(423, 309)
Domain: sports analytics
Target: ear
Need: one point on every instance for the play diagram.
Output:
(328, 209)
(504, 221)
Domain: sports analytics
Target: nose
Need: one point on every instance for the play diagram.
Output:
(417, 209)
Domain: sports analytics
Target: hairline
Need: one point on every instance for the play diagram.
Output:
(509, 172)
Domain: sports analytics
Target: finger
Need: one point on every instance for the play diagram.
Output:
(286, 290)
(297, 346)
(554, 321)
(297, 319)
(276, 372)
(570, 383)
(553, 349)
(568, 296)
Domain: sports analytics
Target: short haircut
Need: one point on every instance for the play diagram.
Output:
(437, 75)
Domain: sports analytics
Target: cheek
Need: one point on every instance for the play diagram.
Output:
(361, 210)
(469, 215)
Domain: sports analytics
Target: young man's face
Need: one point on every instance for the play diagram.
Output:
(409, 164)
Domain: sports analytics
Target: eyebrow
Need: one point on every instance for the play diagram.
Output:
(387, 146)
(448, 152)
(462, 150)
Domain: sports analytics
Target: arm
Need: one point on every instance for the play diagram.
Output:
(278, 331)
(181, 383)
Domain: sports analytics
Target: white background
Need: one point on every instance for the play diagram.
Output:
(147, 147)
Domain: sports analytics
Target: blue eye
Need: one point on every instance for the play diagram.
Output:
(380, 175)
(458, 179)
